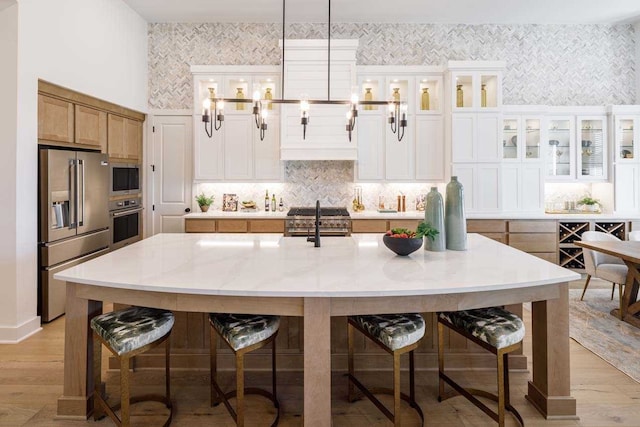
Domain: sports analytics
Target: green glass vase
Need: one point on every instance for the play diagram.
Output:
(454, 217)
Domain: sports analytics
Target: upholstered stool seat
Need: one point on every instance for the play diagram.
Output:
(242, 333)
(397, 334)
(496, 330)
(127, 333)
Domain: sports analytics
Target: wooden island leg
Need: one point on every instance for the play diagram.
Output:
(317, 362)
(550, 390)
(75, 402)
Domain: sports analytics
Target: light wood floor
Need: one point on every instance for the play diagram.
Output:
(31, 382)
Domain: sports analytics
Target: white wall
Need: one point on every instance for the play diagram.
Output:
(8, 130)
(98, 47)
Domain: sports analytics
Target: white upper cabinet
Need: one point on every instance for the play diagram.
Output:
(522, 137)
(476, 85)
(592, 150)
(306, 74)
(626, 133)
(475, 137)
(235, 151)
(420, 155)
(561, 143)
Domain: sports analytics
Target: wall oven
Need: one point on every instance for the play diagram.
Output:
(125, 179)
(126, 222)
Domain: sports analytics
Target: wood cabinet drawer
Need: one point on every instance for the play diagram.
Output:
(411, 224)
(547, 256)
(486, 226)
(369, 226)
(199, 225)
(532, 226)
(534, 242)
(498, 237)
(232, 226)
(266, 226)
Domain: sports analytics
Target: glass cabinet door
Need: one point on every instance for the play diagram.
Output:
(510, 141)
(625, 140)
(559, 148)
(532, 139)
(591, 148)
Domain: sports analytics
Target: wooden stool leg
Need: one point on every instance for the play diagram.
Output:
(396, 389)
(350, 362)
(124, 391)
(167, 365)
(213, 365)
(273, 372)
(507, 393)
(412, 382)
(440, 361)
(501, 390)
(240, 390)
(97, 377)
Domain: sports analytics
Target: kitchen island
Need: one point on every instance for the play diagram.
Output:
(271, 274)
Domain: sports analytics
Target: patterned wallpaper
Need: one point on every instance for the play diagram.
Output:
(546, 64)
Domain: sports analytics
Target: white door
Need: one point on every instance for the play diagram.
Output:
(172, 163)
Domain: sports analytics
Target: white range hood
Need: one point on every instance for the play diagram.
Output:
(305, 72)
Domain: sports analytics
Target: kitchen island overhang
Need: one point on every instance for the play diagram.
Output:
(271, 274)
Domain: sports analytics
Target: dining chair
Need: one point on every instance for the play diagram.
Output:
(603, 266)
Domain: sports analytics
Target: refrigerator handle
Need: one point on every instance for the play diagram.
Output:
(81, 195)
(72, 194)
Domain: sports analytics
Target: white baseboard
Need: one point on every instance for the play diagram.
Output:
(16, 334)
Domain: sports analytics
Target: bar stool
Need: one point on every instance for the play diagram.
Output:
(494, 329)
(397, 334)
(127, 333)
(243, 333)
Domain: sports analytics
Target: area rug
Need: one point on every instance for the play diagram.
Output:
(593, 327)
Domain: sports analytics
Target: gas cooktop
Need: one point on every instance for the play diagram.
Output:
(324, 212)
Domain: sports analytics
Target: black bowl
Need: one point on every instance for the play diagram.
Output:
(402, 246)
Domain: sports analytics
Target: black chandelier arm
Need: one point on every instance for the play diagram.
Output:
(401, 133)
(208, 128)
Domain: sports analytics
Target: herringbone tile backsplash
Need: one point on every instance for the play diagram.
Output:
(546, 64)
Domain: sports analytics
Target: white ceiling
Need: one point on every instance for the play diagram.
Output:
(396, 11)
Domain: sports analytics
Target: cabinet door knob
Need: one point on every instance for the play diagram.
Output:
(187, 210)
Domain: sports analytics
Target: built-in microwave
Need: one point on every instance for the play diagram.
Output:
(125, 179)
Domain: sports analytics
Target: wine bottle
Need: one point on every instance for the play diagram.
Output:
(281, 205)
(273, 203)
(266, 201)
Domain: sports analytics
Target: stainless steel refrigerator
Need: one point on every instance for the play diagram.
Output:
(73, 219)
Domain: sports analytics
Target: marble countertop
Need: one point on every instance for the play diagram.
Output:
(273, 265)
(260, 214)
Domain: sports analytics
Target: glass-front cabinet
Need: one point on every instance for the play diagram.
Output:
(626, 135)
(521, 138)
(560, 148)
(476, 90)
(592, 154)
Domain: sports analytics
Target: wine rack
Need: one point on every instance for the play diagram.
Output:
(617, 229)
(570, 232)
(571, 258)
(570, 255)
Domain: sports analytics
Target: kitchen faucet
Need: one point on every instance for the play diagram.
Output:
(316, 238)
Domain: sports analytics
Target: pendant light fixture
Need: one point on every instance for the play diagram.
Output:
(397, 109)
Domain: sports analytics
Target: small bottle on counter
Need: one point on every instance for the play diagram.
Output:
(273, 202)
(266, 201)
(404, 203)
(399, 204)
(281, 205)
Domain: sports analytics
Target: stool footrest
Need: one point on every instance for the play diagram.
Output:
(370, 394)
(110, 410)
(224, 398)
(471, 393)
